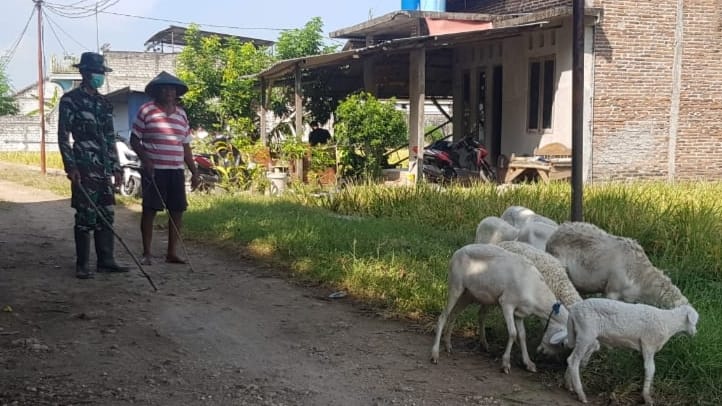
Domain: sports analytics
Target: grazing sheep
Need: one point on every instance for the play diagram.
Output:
(517, 216)
(492, 230)
(488, 275)
(536, 233)
(617, 324)
(598, 262)
(554, 273)
(555, 276)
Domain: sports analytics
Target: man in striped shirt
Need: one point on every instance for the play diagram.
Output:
(161, 137)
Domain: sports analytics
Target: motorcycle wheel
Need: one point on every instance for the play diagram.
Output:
(487, 174)
(131, 187)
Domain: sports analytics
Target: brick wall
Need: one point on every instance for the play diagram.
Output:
(136, 69)
(22, 133)
(634, 55)
(634, 91)
(504, 6)
(699, 139)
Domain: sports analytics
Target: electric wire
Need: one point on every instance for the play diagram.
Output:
(65, 32)
(167, 20)
(5, 60)
(55, 34)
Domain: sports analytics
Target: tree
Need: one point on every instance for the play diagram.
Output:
(221, 91)
(366, 123)
(8, 105)
(304, 41)
(308, 41)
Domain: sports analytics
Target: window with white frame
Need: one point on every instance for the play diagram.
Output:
(541, 93)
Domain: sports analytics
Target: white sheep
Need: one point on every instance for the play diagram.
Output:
(617, 324)
(492, 230)
(555, 276)
(536, 233)
(554, 273)
(598, 262)
(488, 274)
(517, 216)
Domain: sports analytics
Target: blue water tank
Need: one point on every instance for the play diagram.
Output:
(409, 4)
(433, 5)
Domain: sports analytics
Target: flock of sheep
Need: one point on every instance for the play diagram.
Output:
(529, 265)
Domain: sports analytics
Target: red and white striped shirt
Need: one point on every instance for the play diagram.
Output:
(163, 135)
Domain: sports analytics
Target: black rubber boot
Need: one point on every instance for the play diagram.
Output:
(82, 253)
(104, 243)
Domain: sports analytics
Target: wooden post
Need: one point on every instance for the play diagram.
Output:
(369, 74)
(263, 130)
(457, 88)
(299, 118)
(41, 87)
(417, 95)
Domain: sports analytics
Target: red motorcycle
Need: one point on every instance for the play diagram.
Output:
(445, 161)
(207, 172)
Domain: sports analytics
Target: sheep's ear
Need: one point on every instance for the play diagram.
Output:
(693, 317)
(558, 338)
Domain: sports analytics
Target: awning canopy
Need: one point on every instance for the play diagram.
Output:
(343, 72)
(175, 35)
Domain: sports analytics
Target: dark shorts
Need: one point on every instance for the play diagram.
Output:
(171, 184)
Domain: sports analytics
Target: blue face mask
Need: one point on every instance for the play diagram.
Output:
(96, 80)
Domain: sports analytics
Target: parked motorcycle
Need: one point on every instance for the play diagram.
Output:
(207, 172)
(130, 166)
(446, 161)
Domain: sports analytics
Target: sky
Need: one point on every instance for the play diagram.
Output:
(76, 33)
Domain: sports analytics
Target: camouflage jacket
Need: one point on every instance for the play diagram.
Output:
(89, 118)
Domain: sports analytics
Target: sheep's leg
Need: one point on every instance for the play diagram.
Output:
(508, 312)
(521, 335)
(572, 375)
(483, 311)
(454, 295)
(648, 355)
(461, 304)
(594, 348)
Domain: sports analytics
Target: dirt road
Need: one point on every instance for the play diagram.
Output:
(230, 333)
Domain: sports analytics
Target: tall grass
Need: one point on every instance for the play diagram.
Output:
(391, 246)
(52, 158)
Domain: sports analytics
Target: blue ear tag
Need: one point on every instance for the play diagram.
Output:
(556, 307)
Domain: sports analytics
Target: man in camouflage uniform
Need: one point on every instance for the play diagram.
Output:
(90, 162)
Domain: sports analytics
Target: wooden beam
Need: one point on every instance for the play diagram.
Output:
(263, 130)
(417, 95)
(299, 118)
(457, 90)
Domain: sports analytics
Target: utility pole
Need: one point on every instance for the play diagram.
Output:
(97, 35)
(41, 82)
(577, 213)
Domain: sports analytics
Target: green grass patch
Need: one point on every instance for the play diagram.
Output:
(391, 246)
(53, 159)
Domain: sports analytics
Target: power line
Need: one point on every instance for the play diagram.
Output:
(104, 11)
(65, 32)
(55, 34)
(5, 60)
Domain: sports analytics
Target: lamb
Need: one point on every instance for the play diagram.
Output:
(598, 262)
(536, 233)
(517, 216)
(492, 230)
(488, 274)
(617, 324)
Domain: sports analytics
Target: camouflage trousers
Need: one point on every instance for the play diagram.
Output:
(100, 191)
